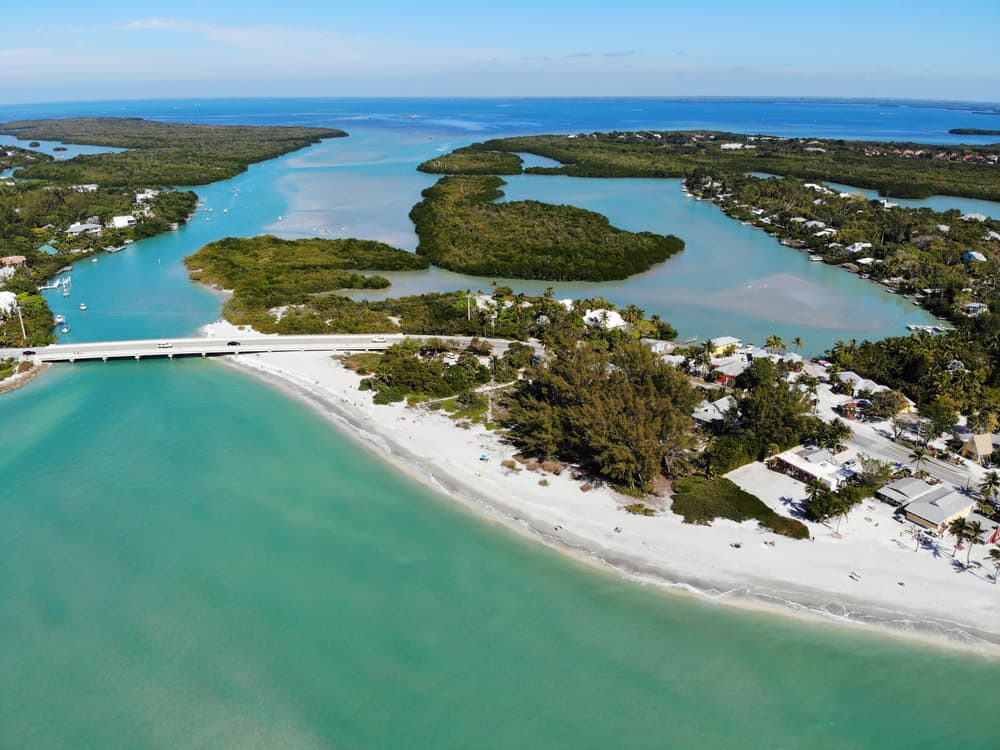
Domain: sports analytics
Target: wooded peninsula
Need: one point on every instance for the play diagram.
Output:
(159, 153)
(901, 170)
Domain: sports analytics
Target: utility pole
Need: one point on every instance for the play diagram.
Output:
(24, 335)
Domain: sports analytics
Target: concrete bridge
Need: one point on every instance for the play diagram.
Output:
(213, 347)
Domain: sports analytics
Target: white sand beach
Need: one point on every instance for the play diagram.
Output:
(922, 592)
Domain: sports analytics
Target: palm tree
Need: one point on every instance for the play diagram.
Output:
(974, 535)
(703, 357)
(842, 506)
(990, 486)
(918, 455)
(957, 529)
(797, 343)
(775, 344)
(633, 314)
(995, 559)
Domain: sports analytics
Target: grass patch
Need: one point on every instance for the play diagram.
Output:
(701, 500)
(363, 363)
(640, 509)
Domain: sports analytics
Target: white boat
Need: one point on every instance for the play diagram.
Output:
(83, 305)
(93, 260)
(816, 258)
(64, 329)
(59, 320)
(281, 218)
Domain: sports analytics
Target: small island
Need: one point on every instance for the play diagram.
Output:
(463, 228)
(973, 131)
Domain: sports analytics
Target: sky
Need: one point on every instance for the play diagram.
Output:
(71, 50)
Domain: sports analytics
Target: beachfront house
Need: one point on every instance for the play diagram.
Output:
(83, 227)
(904, 491)
(811, 464)
(938, 508)
(721, 343)
(13, 261)
(123, 222)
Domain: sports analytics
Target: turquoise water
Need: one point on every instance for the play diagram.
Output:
(731, 279)
(191, 560)
(936, 202)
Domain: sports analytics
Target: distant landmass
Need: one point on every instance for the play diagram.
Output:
(973, 131)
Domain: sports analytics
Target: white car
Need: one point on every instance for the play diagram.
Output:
(164, 345)
(378, 339)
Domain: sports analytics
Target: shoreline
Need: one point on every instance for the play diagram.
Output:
(22, 379)
(325, 386)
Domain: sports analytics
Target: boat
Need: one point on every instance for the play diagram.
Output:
(64, 329)
(59, 320)
(816, 258)
(93, 260)
(83, 305)
(281, 218)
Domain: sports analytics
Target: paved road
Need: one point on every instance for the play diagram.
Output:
(886, 450)
(205, 347)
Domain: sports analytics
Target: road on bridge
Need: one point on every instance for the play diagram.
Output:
(207, 347)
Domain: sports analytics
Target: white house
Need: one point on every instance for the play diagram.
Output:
(974, 217)
(8, 303)
(811, 464)
(904, 490)
(122, 222)
(709, 413)
(609, 320)
(77, 228)
(857, 247)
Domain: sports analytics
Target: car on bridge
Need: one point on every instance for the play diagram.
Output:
(164, 345)
(378, 339)
(232, 343)
(28, 353)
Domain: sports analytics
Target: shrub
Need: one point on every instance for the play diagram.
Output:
(640, 509)
(701, 500)
(586, 487)
(543, 482)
